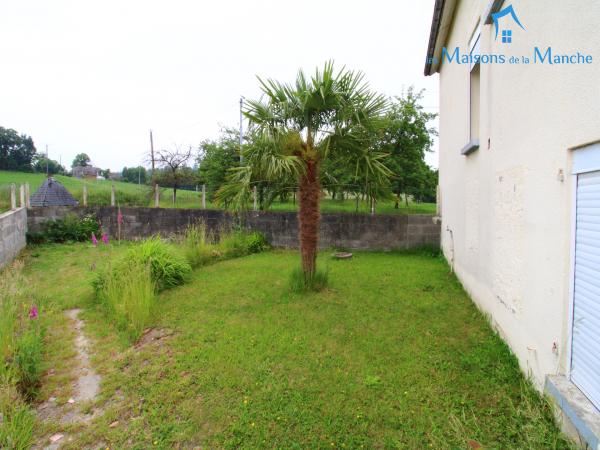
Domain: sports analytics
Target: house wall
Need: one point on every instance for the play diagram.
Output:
(350, 231)
(13, 226)
(509, 216)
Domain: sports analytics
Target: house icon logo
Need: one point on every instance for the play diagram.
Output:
(506, 34)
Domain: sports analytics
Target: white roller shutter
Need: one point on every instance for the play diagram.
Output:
(585, 354)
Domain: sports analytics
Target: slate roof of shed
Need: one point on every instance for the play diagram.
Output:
(52, 193)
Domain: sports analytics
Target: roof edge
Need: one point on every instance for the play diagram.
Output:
(443, 16)
(492, 8)
(436, 21)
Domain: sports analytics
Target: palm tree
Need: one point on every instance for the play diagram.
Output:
(300, 127)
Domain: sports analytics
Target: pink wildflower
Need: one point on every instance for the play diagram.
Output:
(120, 219)
(33, 312)
(93, 266)
(94, 240)
(51, 372)
(105, 238)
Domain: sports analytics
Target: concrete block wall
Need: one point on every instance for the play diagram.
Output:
(340, 230)
(13, 226)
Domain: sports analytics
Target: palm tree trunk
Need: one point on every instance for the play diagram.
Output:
(309, 194)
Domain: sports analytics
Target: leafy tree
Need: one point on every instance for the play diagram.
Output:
(405, 135)
(172, 168)
(17, 153)
(81, 160)
(106, 173)
(300, 127)
(42, 164)
(134, 174)
(215, 158)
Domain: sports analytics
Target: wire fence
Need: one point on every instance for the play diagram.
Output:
(191, 196)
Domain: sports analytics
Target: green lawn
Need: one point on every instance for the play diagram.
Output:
(392, 355)
(98, 193)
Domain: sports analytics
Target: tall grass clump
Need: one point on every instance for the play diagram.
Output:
(21, 351)
(201, 247)
(300, 283)
(168, 267)
(197, 244)
(128, 294)
(127, 286)
(18, 420)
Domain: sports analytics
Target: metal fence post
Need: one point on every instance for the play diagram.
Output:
(112, 195)
(22, 194)
(27, 194)
(84, 195)
(255, 205)
(13, 198)
(203, 196)
(156, 195)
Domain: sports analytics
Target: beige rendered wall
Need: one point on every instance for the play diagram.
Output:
(509, 215)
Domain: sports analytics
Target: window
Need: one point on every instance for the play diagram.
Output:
(475, 48)
(474, 76)
(506, 36)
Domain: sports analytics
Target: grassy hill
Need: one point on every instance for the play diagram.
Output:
(129, 194)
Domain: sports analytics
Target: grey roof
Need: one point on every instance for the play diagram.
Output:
(52, 193)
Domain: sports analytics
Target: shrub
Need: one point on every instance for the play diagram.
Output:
(256, 242)
(167, 267)
(70, 228)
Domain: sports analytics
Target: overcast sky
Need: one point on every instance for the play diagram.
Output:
(95, 77)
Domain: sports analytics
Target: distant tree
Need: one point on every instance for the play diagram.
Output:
(17, 153)
(81, 160)
(215, 158)
(106, 173)
(134, 174)
(172, 168)
(406, 136)
(53, 167)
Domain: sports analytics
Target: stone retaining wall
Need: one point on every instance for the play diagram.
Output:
(340, 230)
(13, 226)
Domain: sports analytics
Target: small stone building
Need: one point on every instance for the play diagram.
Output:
(52, 193)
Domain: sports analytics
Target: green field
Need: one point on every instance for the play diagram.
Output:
(392, 355)
(128, 194)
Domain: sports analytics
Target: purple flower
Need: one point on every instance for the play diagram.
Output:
(51, 372)
(105, 238)
(94, 240)
(120, 219)
(33, 312)
(93, 266)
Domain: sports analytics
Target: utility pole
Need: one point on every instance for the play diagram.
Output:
(241, 129)
(139, 177)
(152, 150)
(46, 160)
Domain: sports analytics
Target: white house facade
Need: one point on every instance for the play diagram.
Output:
(520, 180)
